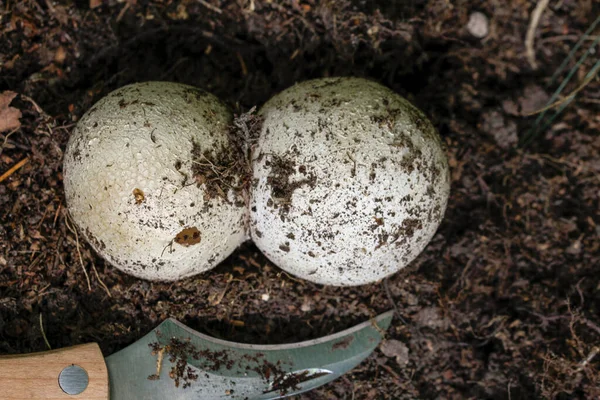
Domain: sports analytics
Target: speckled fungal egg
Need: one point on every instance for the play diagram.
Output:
(150, 180)
(350, 181)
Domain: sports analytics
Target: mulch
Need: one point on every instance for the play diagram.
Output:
(503, 303)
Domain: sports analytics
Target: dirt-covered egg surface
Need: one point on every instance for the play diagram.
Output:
(350, 181)
(152, 180)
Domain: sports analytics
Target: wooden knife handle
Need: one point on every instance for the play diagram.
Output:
(36, 376)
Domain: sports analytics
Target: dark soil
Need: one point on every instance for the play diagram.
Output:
(282, 189)
(503, 303)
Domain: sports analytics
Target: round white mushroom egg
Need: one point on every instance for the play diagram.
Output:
(153, 182)
(350, 181)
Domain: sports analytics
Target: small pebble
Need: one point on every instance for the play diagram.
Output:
(478, 25)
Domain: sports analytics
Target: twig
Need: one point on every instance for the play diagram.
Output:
(74, 231)
(394, 374)
(210, 6)
(291, 278)
(43, 333)
(35, 105)
(589, 358)
(6, 138)
(39, 225)
(580, 292)
(379, 329)
(13, 169)
(545, 319)
(56, 214)
(221, 295)
(123, 11)
(36, 261)
(391, 299)
(242, 64)
(100, 280)
(591, 325)
(161, 354)
(535, 20)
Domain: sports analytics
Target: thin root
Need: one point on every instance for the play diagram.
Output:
(529, 38)
(74, 231)
(100, 280)
(43, 333)
(589, 358)
(378, 328)
(13, 169)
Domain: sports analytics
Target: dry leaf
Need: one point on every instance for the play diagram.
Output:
(502, 130)
(395, 349)
(534, 98)
(9, 116)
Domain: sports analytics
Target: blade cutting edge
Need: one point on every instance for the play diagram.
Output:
(197, 366)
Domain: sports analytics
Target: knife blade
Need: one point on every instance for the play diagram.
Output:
(176, 362)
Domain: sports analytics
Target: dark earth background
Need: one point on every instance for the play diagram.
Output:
(503, 304)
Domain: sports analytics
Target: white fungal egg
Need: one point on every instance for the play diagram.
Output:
(350, 181)
(151, 180)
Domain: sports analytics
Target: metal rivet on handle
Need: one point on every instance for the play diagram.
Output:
(73, 379)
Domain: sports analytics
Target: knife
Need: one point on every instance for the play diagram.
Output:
(178, 363)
